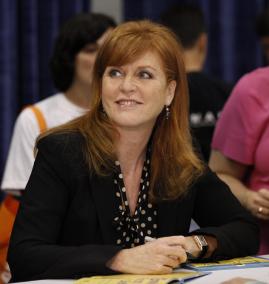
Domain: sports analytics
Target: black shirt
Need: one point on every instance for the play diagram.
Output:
(207, 98)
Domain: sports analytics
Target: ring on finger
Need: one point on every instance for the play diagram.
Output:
(260, 209)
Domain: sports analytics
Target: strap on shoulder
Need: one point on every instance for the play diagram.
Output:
(40, 118)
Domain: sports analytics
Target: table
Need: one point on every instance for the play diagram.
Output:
(215, 277)
(218, 276)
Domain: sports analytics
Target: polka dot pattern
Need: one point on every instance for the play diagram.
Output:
(132, 230)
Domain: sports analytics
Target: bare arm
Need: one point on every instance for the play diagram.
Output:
(232, 173)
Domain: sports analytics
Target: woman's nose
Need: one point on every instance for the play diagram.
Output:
(127, 84)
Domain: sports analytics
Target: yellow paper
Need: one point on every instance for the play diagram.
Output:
(233, 261)
(138, 279)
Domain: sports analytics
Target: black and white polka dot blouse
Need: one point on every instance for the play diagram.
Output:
(133, 229)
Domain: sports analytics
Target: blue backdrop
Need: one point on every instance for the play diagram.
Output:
(28, 28)
(233, 45)
(27, 32)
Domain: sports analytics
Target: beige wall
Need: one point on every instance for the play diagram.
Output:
(110, 7)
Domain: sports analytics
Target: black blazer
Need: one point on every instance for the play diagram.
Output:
(64, 224)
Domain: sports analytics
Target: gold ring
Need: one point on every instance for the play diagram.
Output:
(260, 209)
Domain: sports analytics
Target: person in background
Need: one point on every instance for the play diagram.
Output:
(71, 65)
(124, 173)
(240, 147)
(262, 30)
(207, 94)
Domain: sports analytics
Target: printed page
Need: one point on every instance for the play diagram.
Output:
(240, 262)
(183, 274)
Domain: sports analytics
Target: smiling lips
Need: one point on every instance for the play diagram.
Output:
(127, 102)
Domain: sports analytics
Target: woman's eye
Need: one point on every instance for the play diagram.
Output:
(114, 73)
(145, 75)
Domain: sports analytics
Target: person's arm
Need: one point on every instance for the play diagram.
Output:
(238, 138)
(41, 217)
(160, 255)
(219, 214)
(36, 251)
(232, 173)
(20, 157)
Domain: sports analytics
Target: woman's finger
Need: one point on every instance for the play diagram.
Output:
(173, 240)
(171, 261)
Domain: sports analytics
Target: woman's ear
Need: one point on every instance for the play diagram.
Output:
(171, 89)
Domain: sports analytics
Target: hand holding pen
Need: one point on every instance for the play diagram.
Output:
(195, 246)
(154, 257)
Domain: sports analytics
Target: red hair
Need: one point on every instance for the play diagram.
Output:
(174, 164)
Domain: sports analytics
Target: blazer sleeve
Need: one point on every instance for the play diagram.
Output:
(219, 213)
(34, 251)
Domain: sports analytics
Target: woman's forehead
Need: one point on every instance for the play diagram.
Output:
(125, 59)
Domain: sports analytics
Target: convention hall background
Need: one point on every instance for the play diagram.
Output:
(28, 29)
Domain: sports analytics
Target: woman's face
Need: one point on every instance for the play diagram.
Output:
(85, 59)
(133, 95)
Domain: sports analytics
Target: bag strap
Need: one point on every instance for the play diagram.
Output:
(40, 118)
(11, 203)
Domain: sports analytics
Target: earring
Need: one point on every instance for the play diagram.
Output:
(102, 110)
(167, 112)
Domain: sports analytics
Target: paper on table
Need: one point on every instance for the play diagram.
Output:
(177, 277)
(240, 262)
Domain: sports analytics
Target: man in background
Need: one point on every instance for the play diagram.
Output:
(207, 95)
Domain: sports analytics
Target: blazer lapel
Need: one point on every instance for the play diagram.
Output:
(105, 200)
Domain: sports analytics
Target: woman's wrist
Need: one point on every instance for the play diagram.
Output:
(201, 248)
(246, 197)
(116, 262)
(212, 245)
(192, 248)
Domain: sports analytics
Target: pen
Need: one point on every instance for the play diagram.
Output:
(149, 239)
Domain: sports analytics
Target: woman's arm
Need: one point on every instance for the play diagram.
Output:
(219, 214)
(36, 248)
(20, 157)
(232, 173)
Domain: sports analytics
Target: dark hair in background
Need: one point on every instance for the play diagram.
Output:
(262, 24)
(74, 35)
(186, 21)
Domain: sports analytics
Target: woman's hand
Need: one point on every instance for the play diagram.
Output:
(156, 257)
(258, 203)
(232, 173)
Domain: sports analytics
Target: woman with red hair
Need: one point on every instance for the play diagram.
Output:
(124, 173)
